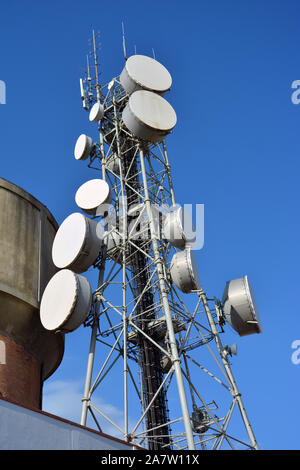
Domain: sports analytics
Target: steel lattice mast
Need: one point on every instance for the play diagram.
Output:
(147, 331)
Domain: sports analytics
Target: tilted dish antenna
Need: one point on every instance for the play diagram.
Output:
(184, 271)
(148, 116)
(77, 243)
(240, 307)
(84, 147)
(177, 228)
(93, 197)
(145, 73)
(66, 302)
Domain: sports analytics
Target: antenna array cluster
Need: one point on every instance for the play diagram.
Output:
(132, 231)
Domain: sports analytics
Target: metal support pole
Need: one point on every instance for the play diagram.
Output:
(167, 311)
(169, 173)
(89, 372)
(88, 379)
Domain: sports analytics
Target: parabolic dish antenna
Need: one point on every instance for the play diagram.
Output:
(184, 271)
(77, 243)
(113, 242)
(113, 164)
(178, 228)
(144, 73)
(240, 307)
(93, 197)
(96, 112)
(66, 301)
(149, 116)
(83, 147)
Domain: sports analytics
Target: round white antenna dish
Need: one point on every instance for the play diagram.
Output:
(184, 271)
(83, 147)
(240, 307)
(93, 197)
(77, 243)
(149, 116)
(113, 164)
(66, 302)
(96, 112)
(114, 250)
(178, 228)
(144, 73)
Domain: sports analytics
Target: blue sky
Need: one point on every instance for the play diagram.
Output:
(235, 149)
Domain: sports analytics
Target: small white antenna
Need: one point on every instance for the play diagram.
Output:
(124, 44)
(94, 53)
(89, 79)
(83, 95)
(88, 68)
(153, 53)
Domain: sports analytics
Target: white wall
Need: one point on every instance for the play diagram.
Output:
(24, 429)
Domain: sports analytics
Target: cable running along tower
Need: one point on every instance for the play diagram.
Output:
(157, 334)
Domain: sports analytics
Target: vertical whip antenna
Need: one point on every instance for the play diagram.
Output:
(88, 68)
(89, 78)
(96, 67)
(124, 43)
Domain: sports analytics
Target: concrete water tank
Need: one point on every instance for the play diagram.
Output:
(30, 352)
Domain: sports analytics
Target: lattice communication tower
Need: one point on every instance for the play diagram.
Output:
(157, 332)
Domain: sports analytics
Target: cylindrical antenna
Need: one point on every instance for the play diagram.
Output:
(124, 44)
(82, 89)
(89, 78)
(83, 95)
(88, 68)
(96, 67)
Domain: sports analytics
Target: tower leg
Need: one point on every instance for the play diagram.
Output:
(227, 368)
(88, 379)
(168, 314)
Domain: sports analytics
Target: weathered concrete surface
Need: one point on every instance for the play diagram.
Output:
(27, 230)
